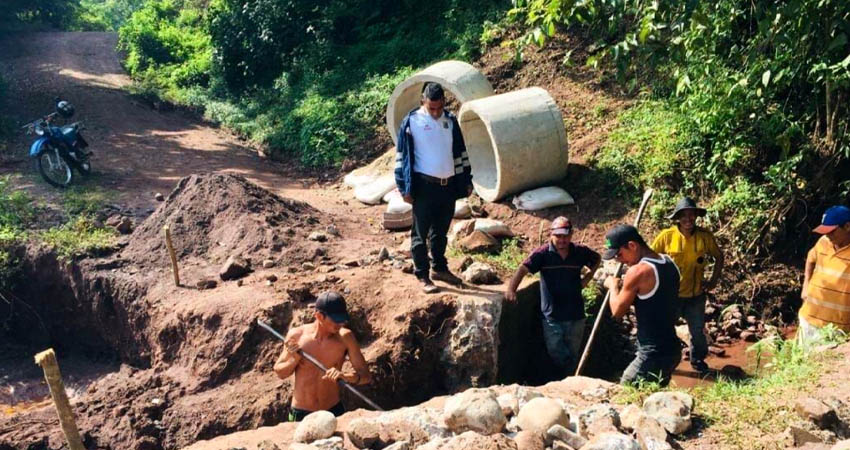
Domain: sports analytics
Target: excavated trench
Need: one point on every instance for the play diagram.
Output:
(152, 366)
(522, 352)
(149, 365)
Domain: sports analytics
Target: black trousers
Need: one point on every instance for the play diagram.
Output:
(433, 209)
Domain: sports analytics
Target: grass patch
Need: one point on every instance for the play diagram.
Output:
(79, 236)
(749, 413)
(508, 259)
(85, 200)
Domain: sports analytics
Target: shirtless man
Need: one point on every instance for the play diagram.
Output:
(652, 285)
(328, 341)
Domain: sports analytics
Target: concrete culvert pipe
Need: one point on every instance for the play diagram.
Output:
(460, 79)
(515, 141)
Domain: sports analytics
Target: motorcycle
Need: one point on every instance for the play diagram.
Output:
(58, 150)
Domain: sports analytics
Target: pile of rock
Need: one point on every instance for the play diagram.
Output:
(521, 419)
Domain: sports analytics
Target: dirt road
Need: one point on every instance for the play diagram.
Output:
(138, 151)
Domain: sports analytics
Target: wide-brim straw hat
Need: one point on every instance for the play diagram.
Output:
(687, 203)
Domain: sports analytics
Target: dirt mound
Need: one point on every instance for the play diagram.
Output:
(212, 216)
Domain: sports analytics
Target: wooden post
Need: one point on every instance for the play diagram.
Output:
(171, 253)
(47, 361)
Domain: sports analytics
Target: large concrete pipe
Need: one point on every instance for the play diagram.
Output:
(515, 141)
(462, 80)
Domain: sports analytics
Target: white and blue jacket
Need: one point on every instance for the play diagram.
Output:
(404, 156)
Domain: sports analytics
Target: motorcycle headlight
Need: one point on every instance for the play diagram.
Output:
(39, 130)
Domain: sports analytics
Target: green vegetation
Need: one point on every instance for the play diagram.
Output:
(304, 79)
(85, 200)
(508, 259)
(750, 413)
(745, 103)
(80, 236)
(104, 15)
(75, 15)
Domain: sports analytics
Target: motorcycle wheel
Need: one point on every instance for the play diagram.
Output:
(84, 166)
(54, 169)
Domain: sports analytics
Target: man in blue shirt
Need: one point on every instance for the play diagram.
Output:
(560, 263)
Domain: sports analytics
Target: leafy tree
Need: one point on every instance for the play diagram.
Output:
(53, 13)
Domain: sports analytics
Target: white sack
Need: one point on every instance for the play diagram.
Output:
(493, 228)
(462, 209)
(542, 198)
(372, 193)
(389, 195)
(398, 205)
(354, 179)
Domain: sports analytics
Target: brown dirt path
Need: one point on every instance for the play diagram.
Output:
(138, 151)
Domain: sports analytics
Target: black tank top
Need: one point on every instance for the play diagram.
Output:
(656, 311)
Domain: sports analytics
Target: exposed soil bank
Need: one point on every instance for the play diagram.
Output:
(193, 363)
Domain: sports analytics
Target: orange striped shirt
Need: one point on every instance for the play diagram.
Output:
(828, 296)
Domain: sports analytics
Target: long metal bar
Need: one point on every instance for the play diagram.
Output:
(321, 367)
(583, 360)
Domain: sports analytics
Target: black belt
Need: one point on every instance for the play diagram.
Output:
(435, 180)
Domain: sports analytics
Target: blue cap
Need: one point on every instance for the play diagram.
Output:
(332, 305)
(833, 218)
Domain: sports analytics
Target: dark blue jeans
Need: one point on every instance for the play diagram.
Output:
(652, 365)
(433, 208)
(693, 311)
(563, 342)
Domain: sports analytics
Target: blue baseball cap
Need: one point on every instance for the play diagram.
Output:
(332, 305)
(833, 218)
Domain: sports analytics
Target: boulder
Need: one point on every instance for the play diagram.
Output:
(529, 440)
(598, 419)
(417, 425)
(331, 443)
(841, 445)
(480, 273)
(479, 242)
(317, 425)
(651, 435)
(508, 404)
(560, 433)
(472, 440)
(816, 411)
(400, 445)
(235, 267)
(121, 224)
(540, 414)
(317, 236)
(460, 230)
(363, 433)
(267, 445)
(159, 197)
(798, 437)
(474, 410)
(206, 284)
(671, 409)
(629, 417)
(471, 357)
(612, 441)
(268, 263)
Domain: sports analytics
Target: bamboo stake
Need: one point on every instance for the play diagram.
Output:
(47, 361)
(171, 253)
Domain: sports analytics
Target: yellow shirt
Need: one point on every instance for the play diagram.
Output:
(828, 295)
(689, 255)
